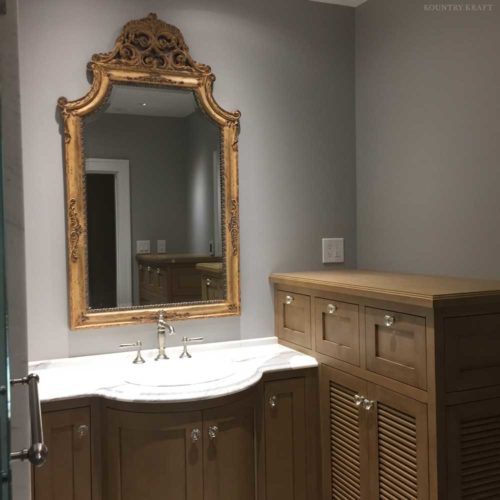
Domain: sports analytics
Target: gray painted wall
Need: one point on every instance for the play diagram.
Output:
(288, 65)
(428, 149)
(204, 139)
(14, 240)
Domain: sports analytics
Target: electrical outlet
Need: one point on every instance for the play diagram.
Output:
(333, 250)
(143, 246)
(161, 246)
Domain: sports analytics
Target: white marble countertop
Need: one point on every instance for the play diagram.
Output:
(106, 375)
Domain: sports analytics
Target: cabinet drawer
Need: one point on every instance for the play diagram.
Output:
(472, 348)
(396, 346)
(337, 329)
(293, 317)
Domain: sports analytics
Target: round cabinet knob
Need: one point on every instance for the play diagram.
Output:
(288, 299)
(208, 281)
(195, 435)
(389, 320)
(358, 400)
(331, 308)
(273, 401)
(82, 431)
(213, 430)
(368, 404)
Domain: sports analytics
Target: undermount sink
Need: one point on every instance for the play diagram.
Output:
(179, 372)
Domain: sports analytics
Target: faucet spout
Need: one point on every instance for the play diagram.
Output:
(162, 327)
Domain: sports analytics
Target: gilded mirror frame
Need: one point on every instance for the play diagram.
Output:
(148, 52)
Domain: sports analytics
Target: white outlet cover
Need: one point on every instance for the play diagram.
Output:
(333, 250)
(143, 246)
(161, 246)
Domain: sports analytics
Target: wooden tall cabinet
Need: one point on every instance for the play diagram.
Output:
(409, 380)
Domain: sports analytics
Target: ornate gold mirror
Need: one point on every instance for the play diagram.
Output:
(151, 164)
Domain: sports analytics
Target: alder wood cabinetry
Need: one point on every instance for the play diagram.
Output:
(260, 444)
(166, 278)
(67, 474)
(212, 280)
(409, 380)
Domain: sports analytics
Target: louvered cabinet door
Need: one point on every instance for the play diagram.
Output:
(398, 446)
(344, 439)
(473, 450)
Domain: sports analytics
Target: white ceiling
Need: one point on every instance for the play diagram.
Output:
(151, 101)
(348, 3)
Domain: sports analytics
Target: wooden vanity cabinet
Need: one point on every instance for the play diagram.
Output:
(409, 381)
(67, 474)
(255, 445)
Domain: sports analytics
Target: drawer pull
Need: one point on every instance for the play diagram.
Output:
(82, 431)
(358, 400)
(213, 430)
(208, 282)
(158, 270)
(368, 404)
(195, 435)
(331, 308)
(148, 269)
(288, 300)
(389, 320)
(273, 401)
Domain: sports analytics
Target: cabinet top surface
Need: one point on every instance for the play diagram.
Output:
(427, 288)
(158, 258)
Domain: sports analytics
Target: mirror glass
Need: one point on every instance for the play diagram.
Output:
(153, 196)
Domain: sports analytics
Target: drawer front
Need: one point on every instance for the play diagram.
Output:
(472, 347)
(337, 329)
(294, 318)
(396, 346)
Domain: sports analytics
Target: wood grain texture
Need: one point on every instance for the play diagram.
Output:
(410, 288)
(67, 474)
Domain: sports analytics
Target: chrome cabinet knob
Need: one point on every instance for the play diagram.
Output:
(288, 299)
(195, 435)
(358, 400)
(331, 308)
(82, 431)
(368, 404)
(273, 401)
(389, 320)
(213, 430)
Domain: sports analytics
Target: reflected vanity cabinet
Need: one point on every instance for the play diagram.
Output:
(409, 380)
(260, 444)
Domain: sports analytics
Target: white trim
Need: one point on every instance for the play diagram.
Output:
(120, 169)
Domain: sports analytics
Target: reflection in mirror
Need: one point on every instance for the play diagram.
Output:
(153, 194)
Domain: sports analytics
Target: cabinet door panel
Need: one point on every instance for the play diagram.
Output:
(67, 473)
(229, 435)
(473, 450)
(152, 456)
(293, 316)
(344, 436)
(398, 446)
(337, 329)
(285, 435)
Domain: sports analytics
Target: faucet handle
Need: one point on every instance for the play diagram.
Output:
(138, 358)
(185, 341)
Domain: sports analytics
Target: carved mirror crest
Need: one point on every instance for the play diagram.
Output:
(151, 163)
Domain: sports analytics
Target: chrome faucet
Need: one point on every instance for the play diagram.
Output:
(162, 326)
